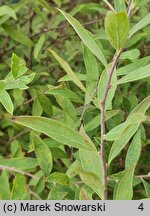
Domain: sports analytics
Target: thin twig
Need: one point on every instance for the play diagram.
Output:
(64, 26)
(143, 176)
(86, 106)
(33, 193)
(103, 110)
(13, 169)
(103, 103)
(18, 135)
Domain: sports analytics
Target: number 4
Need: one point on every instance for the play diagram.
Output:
(141, 207)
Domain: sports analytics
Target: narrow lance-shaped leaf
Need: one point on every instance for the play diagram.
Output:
(138, 74)
(130, 54)
(134, 150)
(58, 178)
(125, 188)
(120, 5)
(19, 190)
(38, 46)
(94, 123)
(141, 24)
(92, 181)
(133, 66)
(109, 5)
(18, 35)
(44, 102)
(51, 128)
(86, 37)
(117, 28)
(124, 132)
(5, 10)
(5, 190)
(43, 154)
(136, 116)
(90, 162)
(142, 106)
(20, 163)
(146, 187)
(120, 143)
(2, 86)
(102, 86)
(6, 101)
(17, 66)
(68, 70)
(92, 72)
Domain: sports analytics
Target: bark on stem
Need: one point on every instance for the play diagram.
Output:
(103, 103)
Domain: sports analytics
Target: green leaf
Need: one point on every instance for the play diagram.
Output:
(68, 70)
(5, 10)
(92, 71)
(86, 37)
(5, 189)
(133, 118)
(146, 187)
(24, 80)
(84, 194)
(141, 24)
(136, 39)
(20, 82)
(73, 96)
(18, 35)
(120, 5)
(6, 101)
(117, 28)
(95, 122)
(44, 4)
(36, 108)
(131, 54)
(50, 127)
(120, 143)
(21, 163)
(123, 132)
(90, 162)
(81, 77)
(58, 178)
(133, 66)
(56, 194)
(134, 150)
(141, 107)
(69, 110)
(102, 86)
(109, 5)
(93, 181)
(19, 190)
(44, 102)
(90, 7)
(136, 116)
(124, 188)
(138, 74)
(38, 46)
(17, 65)
(2, 86)
(43, 154)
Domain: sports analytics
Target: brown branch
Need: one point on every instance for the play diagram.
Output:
(64, 26)
(13, 169)
(103, 110)
(18, 135)
(143, 176)
(33, 193)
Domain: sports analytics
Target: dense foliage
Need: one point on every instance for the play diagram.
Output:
(74, 99)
